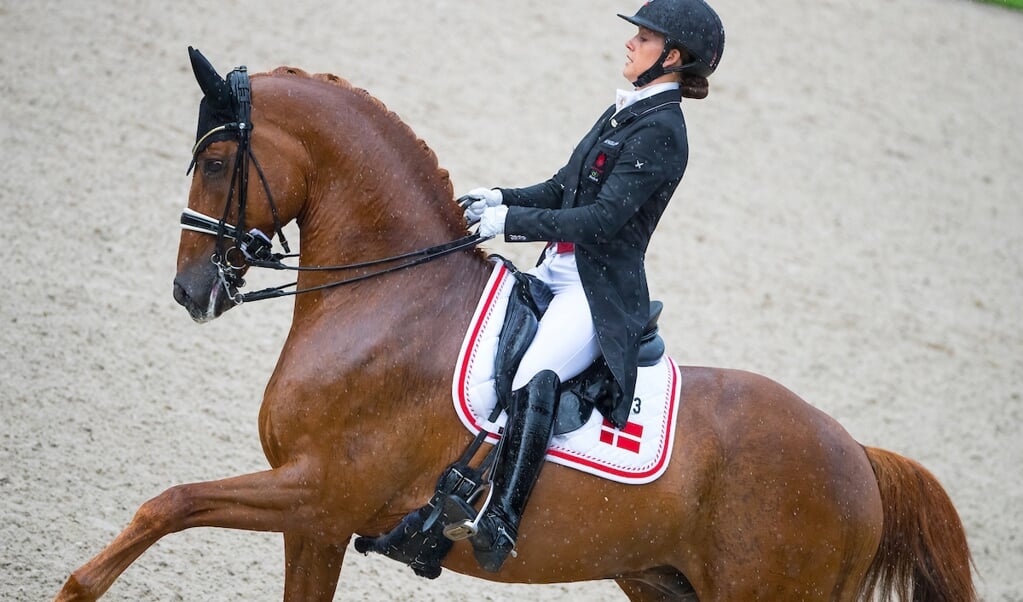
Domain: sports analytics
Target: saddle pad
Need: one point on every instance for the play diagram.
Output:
(637, 454)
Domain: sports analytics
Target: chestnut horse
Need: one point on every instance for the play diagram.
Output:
(765, 497)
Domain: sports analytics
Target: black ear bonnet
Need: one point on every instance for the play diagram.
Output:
(226, 104)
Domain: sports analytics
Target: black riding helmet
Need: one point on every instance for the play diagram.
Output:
(690, 25)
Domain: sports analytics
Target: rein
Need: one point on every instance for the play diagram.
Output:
(256, 247)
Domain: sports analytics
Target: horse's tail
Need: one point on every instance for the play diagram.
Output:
(923, 556)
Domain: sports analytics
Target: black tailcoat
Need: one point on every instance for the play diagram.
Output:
(607, 200)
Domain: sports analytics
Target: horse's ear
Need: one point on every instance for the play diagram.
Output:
(213, 86)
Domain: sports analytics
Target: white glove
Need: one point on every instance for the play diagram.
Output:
(482, 198)
(492, 221)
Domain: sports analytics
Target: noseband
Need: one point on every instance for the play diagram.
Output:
(254, 248)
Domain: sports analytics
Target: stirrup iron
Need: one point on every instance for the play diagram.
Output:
(466, 521)
(461, 530)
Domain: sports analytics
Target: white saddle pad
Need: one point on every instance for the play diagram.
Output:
(637, 454)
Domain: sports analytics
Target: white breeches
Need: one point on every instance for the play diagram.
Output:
(566, 341)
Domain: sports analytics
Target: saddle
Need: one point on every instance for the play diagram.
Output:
(419, 540)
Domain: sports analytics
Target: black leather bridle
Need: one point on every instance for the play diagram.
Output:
(254, 248)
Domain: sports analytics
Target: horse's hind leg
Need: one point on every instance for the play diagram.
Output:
(311, 569)
(264, 501)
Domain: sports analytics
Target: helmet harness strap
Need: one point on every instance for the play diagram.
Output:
(658, 69)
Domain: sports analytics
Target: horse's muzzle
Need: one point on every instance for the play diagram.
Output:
(203, 296)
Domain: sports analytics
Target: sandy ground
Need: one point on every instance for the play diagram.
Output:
(851, 225)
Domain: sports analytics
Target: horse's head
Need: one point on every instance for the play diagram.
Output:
(230, 215)
(362, 186)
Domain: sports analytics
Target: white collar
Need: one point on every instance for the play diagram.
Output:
(625, 98)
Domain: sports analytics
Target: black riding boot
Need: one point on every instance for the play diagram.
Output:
(527, 434)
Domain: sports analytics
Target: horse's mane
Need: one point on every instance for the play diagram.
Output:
(344, 84)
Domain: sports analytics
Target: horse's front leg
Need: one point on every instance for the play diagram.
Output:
(272, 500)
(311, 568)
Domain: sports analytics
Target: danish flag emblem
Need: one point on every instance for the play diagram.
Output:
(628, 438)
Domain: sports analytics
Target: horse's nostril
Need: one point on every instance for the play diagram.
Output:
(180, 295)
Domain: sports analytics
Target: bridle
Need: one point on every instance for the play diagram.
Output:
(253, 248)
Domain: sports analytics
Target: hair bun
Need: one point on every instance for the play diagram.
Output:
(695, 86)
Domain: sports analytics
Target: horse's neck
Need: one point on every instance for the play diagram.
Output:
(384, 227)
(369, 204)
(340, 229)
(375, 192)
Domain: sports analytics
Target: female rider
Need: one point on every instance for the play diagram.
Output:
(599, 212)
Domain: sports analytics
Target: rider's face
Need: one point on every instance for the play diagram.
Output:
(644, 49)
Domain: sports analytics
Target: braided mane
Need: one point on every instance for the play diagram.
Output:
(442, 174)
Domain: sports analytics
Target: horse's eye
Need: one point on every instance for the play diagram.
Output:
(212, 167)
